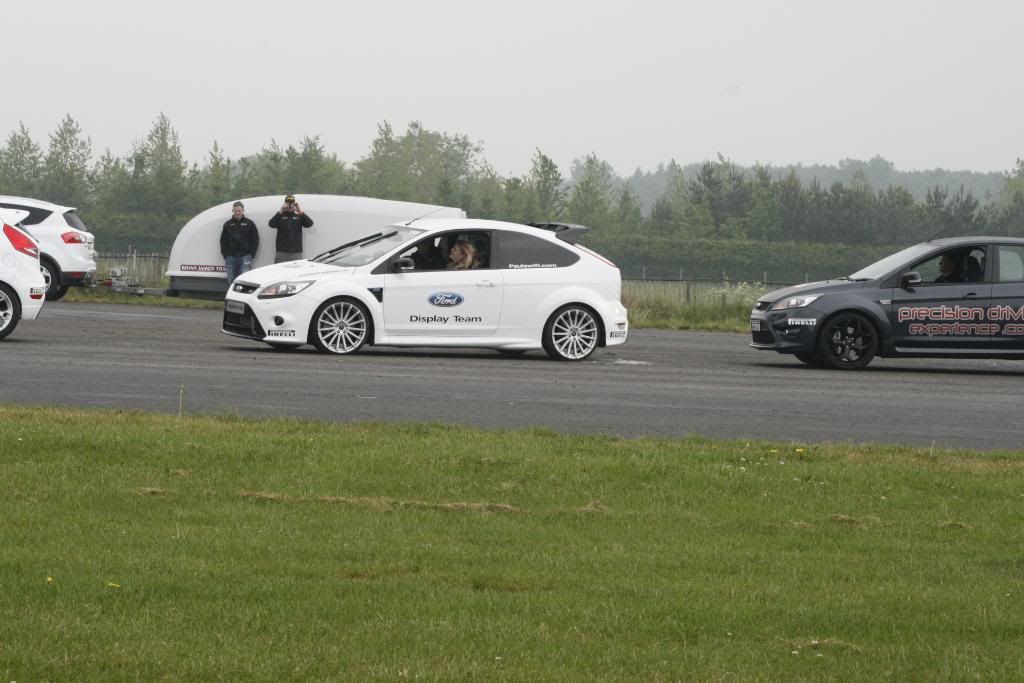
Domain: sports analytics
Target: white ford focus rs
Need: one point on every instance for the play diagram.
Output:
(441, 283)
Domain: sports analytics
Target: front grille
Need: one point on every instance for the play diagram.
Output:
(244, 323)
(244, 287)
(763, 337)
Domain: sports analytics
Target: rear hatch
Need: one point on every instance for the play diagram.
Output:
(80, 236)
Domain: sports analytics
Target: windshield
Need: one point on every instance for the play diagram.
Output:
(891, 263)
(369, 248)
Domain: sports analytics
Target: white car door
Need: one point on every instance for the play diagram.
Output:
(444, 303)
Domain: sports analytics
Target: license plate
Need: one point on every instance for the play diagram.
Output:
(755, 325)
(234, 307)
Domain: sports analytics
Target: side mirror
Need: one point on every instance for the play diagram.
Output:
(910, 279)
(403, 264)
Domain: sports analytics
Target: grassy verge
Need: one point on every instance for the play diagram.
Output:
(144, 547)
(690, 306)
(661, 305)
(103, 295)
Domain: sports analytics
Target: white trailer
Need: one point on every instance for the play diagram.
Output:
(196, 267)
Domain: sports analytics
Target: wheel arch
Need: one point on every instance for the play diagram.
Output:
(575, 297)
(361, 295)
(311, 328)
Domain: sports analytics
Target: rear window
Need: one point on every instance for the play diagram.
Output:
(75, 221)
(519, 250)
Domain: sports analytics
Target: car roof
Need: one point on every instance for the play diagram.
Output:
(972, 239)
(444, 224)
(35, 203)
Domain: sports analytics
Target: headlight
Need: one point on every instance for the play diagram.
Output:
(795, 302)
(282, 289)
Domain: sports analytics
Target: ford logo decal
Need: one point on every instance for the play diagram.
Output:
(445, 299)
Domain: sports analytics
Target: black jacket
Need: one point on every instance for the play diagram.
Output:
(289, 230)
(239, 238)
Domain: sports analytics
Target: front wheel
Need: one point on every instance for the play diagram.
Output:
(847, 341)
(340, 326)
(571, 333)
(10, 310)
(808, 358)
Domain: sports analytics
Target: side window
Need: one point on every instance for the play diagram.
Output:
(519, 250)
(954, 266)
(1011, 263)
(35, 215)
(451, 251)
(428, 254)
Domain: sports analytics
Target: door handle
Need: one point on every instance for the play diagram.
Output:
(484, 283)
(970, 295)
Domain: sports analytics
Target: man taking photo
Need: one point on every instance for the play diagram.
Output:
(289, 222)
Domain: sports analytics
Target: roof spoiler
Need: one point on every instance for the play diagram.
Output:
(567, 232)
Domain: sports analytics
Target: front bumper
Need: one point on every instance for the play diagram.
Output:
(282, 321)
(790, 331)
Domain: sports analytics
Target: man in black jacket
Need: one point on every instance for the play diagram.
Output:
(289, 222)
(239, 240)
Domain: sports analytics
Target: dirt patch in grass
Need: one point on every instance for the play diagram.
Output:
(382, 504)
(867, 522)
(264, 496)
(151, 491)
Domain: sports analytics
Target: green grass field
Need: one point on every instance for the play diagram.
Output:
(142, 547)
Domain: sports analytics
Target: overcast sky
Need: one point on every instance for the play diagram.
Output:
(924, 84)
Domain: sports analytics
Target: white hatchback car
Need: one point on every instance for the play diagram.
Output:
(518, 288)
(67, 249)
(22, 287)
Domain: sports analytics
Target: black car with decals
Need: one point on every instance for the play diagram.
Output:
(946, 298)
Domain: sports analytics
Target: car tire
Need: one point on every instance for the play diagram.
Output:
(571, 333)
(847, 341)
(51, 274)
(808, 358)
(340, 326)
(10, 310)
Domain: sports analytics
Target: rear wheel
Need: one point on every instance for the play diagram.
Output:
(340, 326)
(571, 333)
(847, 341)
(51, 274)
(10, 310)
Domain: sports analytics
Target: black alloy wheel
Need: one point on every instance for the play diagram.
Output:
(848, 341)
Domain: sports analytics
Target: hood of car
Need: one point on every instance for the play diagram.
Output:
(811, 288)
(293, 270)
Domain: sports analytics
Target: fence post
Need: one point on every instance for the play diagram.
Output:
(643, 272)
(687, 289)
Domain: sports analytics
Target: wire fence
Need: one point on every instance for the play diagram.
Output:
(145, 269)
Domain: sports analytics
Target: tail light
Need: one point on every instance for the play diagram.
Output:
(74, 238)
(21, 242)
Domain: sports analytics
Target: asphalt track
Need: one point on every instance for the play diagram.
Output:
(662, 383)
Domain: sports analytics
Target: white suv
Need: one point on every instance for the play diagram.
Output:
(67, 254)
(22, 287)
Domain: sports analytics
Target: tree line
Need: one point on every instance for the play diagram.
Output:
(143, 198)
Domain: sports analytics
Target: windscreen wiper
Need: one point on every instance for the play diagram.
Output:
(335, 250)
